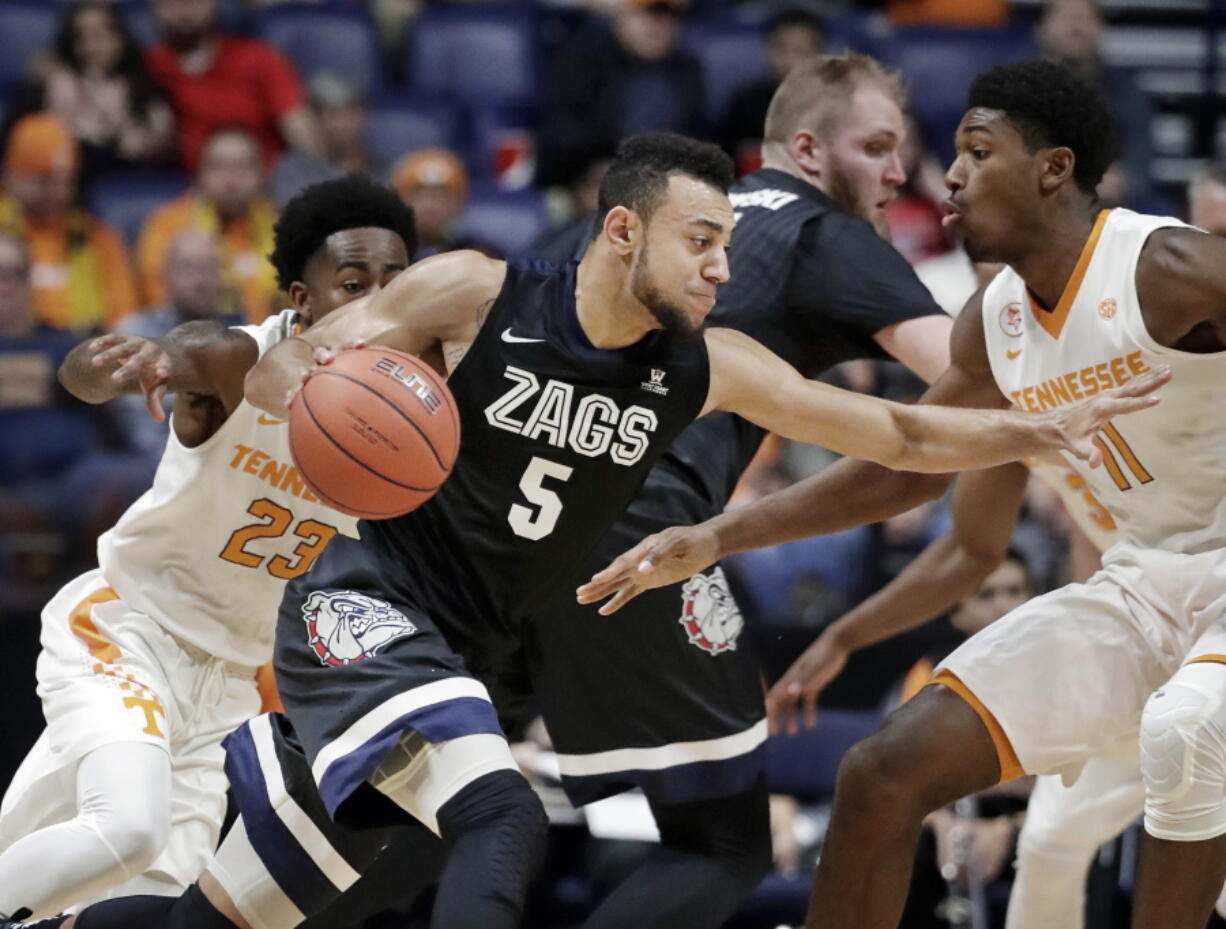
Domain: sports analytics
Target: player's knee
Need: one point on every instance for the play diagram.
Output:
(497, 827)
(872, 778)
(135, 833)
(1183, 758)
(499, 799)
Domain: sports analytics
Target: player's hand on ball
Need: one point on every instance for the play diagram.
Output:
(817, 666)
(667, 557)
(139, 361)
(1078, 425)
(320, 355)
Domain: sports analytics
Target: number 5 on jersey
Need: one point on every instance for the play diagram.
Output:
(530, 524)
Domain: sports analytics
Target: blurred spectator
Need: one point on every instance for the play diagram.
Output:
(791, 37)
(340, 113)
(195, 290)
(617, 79)
(81, 274)
(45, 430)
(217, 80)
(99, 87)
(1207, 199)
(1071, 32)
(227, 201)
(569, 238)
(914, 215)
(434, 183)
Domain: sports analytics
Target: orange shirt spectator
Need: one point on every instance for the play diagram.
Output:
(227, 204)
(81, 275)
(949, 12)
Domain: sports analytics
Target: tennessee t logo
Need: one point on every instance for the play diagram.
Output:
(150, 707)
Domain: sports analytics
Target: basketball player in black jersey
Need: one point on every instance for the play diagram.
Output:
(569, 381)
(668, 698)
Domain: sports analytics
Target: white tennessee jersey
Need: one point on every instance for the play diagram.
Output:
(1162, 478)
(206, 551)
(1084, 509)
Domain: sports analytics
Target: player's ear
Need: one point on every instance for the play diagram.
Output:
(300, 299)
(1057, 168)
(622, 228)
(808, 151)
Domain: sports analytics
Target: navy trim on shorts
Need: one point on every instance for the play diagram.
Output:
(438, 722)
(286, 860)
(685, 783)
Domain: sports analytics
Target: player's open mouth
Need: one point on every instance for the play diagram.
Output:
(950, 213)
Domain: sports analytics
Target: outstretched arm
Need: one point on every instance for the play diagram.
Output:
(750, 380)
(848, 494)
(854, 492)
(203, 363)
(436, 301)
(985, 508)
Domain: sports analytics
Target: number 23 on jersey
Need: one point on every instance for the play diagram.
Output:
(274, 522)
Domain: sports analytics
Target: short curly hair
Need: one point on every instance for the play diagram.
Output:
(1050, 106)
(352, 202)
(638, 177)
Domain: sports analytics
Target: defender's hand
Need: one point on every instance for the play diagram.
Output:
(141, 362)
(667, 557)
(1078, 425)
(817, 666)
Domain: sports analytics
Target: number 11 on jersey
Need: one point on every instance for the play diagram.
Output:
(537, 524)
(1127, 459)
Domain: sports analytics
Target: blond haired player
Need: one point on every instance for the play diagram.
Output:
(1090, 299)
(150, 660)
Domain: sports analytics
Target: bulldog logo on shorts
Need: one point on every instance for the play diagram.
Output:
(710, 616)
(344, 626)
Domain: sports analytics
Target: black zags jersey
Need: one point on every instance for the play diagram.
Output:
(812, 284)
(556, 438)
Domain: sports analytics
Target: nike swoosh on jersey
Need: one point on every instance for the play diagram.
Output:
(265, 420)
(507, 337)
(1011, 354)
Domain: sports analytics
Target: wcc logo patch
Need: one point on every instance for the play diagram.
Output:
(656, 384)
(344, 626)
(710, 617)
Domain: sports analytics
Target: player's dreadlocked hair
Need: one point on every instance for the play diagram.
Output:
(638, 177)
(317, 212)
(1050, 106)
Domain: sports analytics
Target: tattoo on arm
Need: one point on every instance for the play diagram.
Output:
(453, 356)
(483, 311)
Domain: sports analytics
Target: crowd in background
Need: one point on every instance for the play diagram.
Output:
(148, 147)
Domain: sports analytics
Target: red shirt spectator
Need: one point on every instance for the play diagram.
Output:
(246, 83)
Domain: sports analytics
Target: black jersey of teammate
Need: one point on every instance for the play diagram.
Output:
(556, 438)
(813, 284)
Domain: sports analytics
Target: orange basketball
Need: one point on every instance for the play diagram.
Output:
(374, 433)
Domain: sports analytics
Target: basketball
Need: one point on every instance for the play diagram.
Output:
(374, 433)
